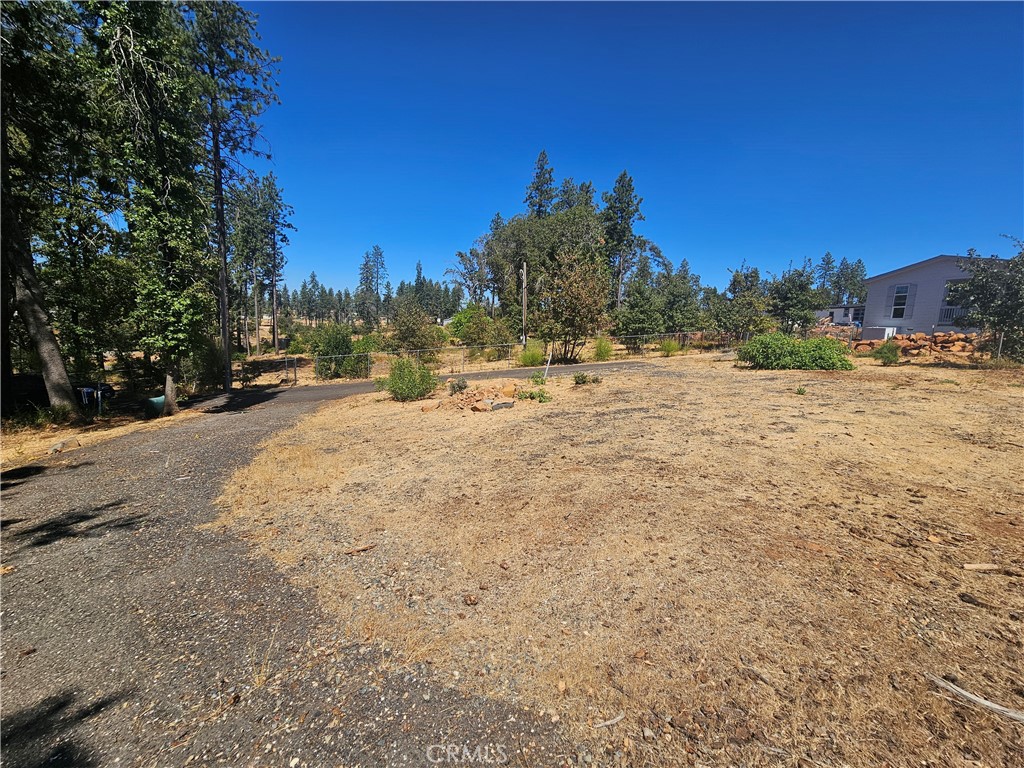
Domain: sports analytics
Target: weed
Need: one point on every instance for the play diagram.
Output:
(1000, 364)
(669, 347)
(538, 379)
(408, 380)
(531, 356)
(457, 386)
(540, 395)
(801, 390)
(37, 418)
(602, 349)
(582, 378)
(949, 381)
(888, 353)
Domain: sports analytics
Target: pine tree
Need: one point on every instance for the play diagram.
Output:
(622, 211)
(540, 194)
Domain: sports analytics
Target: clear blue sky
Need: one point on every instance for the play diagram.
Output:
(769, 132)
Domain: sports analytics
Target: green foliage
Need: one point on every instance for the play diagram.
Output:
(203, 368)
(330, 342)
(580, 379)
(801, 390)
(993, 300)
(793, 298)
(541, 395)
(776, 351)
(888, 353)
(669, 347)
(532, 355)
(34, 417)
(414, 329)
(538, 378)
(459, 385)
(641, 314)
(409, 380)
(602, 349)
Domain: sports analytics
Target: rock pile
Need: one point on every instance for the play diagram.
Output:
(488, 396)
(916, 344)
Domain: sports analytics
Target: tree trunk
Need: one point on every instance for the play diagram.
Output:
(245, 322)
(29, 304)
(170, 390)
(273, 294)
(256, 308)
(222, 251)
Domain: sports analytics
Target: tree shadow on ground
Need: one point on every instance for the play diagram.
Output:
(236, 400)
(77, 524)
(12, 478)
(37, 736)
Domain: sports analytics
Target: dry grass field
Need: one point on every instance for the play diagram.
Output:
(748, 575)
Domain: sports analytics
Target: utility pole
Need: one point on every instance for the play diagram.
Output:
(523, 273)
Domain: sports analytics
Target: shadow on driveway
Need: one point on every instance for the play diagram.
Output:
(30, 736)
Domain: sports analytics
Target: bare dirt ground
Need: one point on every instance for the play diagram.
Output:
(746, 574)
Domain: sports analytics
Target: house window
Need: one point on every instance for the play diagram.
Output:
(899, 301)
(858, 315)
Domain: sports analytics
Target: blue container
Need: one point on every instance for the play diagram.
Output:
(153, 407)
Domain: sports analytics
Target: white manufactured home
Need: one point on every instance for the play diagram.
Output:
(913, 299)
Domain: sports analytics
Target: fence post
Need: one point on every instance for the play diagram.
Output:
(316, 367)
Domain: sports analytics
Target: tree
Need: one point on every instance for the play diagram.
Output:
(621, 212)
(42, 111)
(572, 300)
(540, 194)
(641, 312)
(745, 307)
(141, 49)
(849, 286)
(236, 78)
(571, 194)
(680, 297)
(826, 274)
(992, 299)
(470, 272)
(793, 298)
(372, 274)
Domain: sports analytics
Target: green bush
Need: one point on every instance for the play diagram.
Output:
(888, 353)
(602, 349)
(776, 351)
(457, 386)
(532, 355)
(409, 380)
(579, 379)
(332, 340)
(538, 378)
(669, 347)
(541, 395)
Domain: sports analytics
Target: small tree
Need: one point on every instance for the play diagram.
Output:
(640, 315)
(572, 301)
(793, 299)
(993, 299)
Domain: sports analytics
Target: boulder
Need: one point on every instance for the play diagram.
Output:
(505, 402)
(480, 406)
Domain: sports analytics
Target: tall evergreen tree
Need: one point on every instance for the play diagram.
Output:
(237, 86)
(372, 274)
(621, 212)
(540, 194)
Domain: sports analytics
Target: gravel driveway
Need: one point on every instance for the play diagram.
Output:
(131, 636)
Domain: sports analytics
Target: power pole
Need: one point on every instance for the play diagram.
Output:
(523, 273)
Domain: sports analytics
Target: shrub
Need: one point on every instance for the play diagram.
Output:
(409, 380)
(776, 351)
(457, 386)
(669, 347)
(888, 353)
(531, 356)
(801, 390)
(602, 349)
(538, 379)
(540, 395)
(332, 340)
(582, 378)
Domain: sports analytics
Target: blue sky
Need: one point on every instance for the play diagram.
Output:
(768, 132)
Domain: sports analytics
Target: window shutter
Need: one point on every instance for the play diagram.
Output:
(890, 296)
(911, 294)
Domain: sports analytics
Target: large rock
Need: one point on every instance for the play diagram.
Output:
(505, 402)
(480, 406)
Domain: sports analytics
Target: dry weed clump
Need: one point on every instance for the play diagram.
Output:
(746, 576)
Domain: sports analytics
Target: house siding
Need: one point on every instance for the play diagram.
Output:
(926, 295)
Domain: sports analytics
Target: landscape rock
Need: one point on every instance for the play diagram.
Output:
(480, 406)
(498, 405)
(65, 445)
